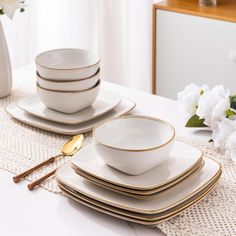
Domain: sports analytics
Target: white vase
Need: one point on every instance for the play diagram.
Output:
(5, 66)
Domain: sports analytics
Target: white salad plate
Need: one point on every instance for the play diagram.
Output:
(165, 201)
(140, 194)
(182, 158)
(105, 102)
(145, 219)
(15, 111)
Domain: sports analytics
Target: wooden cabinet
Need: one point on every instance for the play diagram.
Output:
(192, 44)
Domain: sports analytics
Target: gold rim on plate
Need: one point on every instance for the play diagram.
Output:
(106, 94)
(137, 219)
(149, 211)
(133, 187)
(40, 126)
(132, 215)
(141, 194)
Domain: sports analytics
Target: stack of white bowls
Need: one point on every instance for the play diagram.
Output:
(68, 79)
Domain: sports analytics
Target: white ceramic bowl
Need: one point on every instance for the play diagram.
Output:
(72, 85)
(68, 102)
(134, 144)
(67, 64)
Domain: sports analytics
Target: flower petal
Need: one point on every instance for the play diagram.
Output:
(220, 134)
(219, 112)
(231, 146)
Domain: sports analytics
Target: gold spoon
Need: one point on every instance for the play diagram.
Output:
(72, 146)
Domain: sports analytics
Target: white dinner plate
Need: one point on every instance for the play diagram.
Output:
(140, 194)
(15, 111)
(104, 103)
(182, 158)
(165, 201)
(150, 219)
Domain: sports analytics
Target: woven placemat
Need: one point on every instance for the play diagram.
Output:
(216, 213)
(22, 146)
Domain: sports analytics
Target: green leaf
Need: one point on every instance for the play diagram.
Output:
(230, 113)
(196, 122)
(233, 102)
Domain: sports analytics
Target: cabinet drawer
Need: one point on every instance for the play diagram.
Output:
(192, 49)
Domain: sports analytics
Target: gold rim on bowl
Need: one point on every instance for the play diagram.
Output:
(79, 91)
(139, 117)
(51, 68)
(67, 81)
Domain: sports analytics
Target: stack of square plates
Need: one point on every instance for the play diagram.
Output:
(149, 198)
(32, 111)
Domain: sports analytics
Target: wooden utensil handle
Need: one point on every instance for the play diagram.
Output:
(32, 185)
(17, 178)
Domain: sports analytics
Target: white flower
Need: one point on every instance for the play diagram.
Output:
(224, 137)
(221, 91)
(209, 100)
(219, 112)
(231, 146)
(189, 97)
(221, 133)
(10, 6)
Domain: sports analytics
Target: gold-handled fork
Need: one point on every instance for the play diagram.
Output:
(72, 146)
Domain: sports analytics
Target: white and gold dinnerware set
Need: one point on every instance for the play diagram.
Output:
(135, 170)
(69, 98)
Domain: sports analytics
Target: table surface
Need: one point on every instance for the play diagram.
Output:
(43, 213)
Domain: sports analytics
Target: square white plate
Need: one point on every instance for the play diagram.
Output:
(165, 200)
(15, 111)
(104, 103)
(182, 159)
(140, 194)
(145, 219)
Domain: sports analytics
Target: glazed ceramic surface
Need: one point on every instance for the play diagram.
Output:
(15, 111)
(165, 201)
(140, 194)
(104, 103)
(73, 85)
(5, 66)
(182, 158)
(134, 144)
(68, 102)
(67, 64)
(146, 219)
